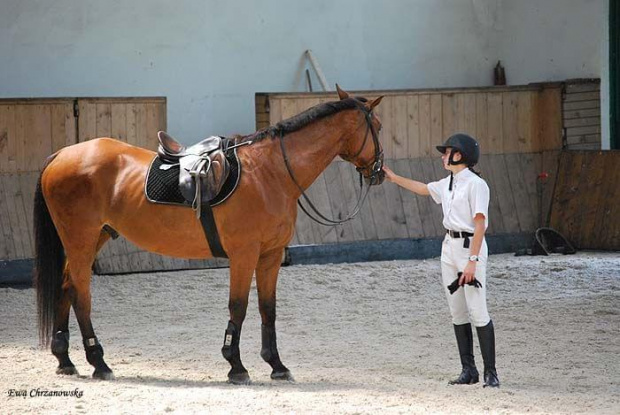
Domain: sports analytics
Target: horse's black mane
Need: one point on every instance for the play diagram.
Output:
(299, 121)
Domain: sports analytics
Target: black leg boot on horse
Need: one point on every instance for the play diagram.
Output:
(60, 349)
(94, 355)
(486, 337)
(238, 374)
(269, 353)
(60, 336)
(465, 342)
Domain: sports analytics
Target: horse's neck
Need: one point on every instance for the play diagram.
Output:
(311, 149)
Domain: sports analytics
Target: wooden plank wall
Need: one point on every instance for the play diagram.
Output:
(582, 114)
(16, 205)
(585, 205)
(30, 130)
(520, 131)
(132, 120)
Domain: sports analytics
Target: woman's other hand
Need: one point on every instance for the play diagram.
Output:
(469, 273)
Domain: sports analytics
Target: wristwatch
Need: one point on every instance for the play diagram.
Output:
(474, 258)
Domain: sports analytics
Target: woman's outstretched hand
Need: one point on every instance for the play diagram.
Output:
(411, 185)
(389, 174)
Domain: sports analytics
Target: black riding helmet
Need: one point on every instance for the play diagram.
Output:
(466, 145)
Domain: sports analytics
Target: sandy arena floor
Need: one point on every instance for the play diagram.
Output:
(359, 338)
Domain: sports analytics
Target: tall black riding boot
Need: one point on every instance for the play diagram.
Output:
(465, 342)
(486, 336)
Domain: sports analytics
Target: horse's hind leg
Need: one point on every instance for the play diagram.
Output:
(60, 338)
(81, 250)
(266, 281)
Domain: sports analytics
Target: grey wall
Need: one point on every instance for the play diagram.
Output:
(209, 57)
(552, 39)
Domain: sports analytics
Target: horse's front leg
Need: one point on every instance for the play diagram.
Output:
(266, 281)
(241, 271)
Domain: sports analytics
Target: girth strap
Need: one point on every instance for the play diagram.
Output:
(210, 229)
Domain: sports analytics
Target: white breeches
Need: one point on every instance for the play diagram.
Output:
(468, 303)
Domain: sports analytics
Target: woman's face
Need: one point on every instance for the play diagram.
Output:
(445, 157)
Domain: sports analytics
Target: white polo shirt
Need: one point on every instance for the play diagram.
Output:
(469, 196)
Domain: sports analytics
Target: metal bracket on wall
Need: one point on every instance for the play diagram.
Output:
(317, 69)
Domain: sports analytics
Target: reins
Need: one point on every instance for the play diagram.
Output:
(376, 167)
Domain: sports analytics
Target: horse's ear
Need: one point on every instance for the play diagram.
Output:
(375, 102)
(341, 94)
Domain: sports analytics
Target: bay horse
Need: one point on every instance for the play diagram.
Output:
(90, 187)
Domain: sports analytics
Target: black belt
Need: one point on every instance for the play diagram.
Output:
(210, 229)
(455, 234)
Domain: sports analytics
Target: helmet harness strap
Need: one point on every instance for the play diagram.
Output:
(451, 161)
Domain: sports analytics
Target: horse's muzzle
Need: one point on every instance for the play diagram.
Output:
(380, 177)
(375, 179)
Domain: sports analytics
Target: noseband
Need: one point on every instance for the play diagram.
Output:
(375, 168)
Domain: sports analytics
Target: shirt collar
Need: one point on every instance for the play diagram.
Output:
(463, 174)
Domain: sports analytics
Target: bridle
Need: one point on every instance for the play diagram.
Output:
(376, 165)
(375, 168)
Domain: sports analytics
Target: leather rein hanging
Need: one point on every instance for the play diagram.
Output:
(376, 166)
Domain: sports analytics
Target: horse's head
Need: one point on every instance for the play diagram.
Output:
(366, 154)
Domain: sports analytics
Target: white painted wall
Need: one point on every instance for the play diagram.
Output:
(209, 57)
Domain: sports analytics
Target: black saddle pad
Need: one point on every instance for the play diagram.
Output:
(162, 185)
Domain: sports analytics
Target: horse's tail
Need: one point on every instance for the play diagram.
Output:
(49, 262)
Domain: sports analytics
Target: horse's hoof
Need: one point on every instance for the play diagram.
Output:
(285, 375)
(67, 370)
(103, 375)
(242, 378)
